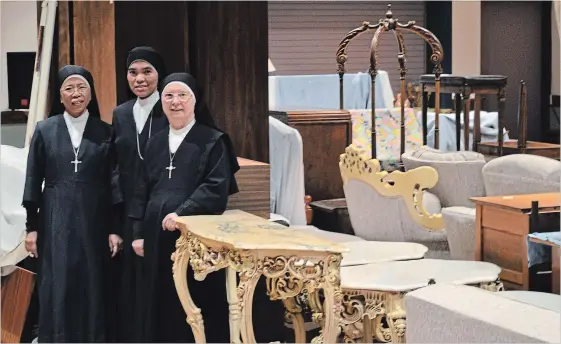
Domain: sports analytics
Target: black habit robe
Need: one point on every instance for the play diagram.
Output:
(199, 185)
(73, 226)
(127, 267)
(126, 270)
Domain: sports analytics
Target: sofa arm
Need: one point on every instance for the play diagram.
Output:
(443, 313)
(460, 229)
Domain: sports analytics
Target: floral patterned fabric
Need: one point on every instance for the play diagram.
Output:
(388, 133)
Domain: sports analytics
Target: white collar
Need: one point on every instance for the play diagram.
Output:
(77, 120)
(150, 101)
(183, 131)
(176, 137)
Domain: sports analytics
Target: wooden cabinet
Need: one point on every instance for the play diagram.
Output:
(502, 225)
(254, 185)
(325, 135)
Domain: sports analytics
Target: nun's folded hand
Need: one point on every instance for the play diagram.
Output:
(138, 247)
(31, 244)
(169, 223)
(115, 244)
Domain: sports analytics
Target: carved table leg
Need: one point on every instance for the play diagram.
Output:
(382, 333)
(333, 299)
(246, 289)
(314, 302)
(396, 317)
(194, 318)
(294, 316)
(233, 302)
(361, 308)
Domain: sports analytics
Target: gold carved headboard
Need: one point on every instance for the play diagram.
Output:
(354, 164)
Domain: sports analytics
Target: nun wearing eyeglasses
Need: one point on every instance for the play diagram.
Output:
(187, 170)
(69, 218)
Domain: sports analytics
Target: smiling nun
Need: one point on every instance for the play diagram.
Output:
(68, 220)
(187, 170)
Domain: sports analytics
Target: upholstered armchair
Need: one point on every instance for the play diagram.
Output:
(459, 178)
(392, 206)
(507, 175)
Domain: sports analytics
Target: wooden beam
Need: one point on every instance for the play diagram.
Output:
(229, 58)
(94, 49)
(65, 38)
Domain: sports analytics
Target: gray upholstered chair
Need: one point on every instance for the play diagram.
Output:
(465, 174)
(459, 178)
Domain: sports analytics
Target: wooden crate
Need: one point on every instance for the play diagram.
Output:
(255, 188)
(17, 288)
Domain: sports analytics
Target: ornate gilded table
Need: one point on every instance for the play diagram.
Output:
(292, 261)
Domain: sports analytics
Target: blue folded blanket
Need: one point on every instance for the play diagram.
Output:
(538, 253)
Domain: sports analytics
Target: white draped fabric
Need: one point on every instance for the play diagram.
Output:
(12, 215)
(287, 172)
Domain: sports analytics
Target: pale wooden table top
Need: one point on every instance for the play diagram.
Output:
(242, 230)
(522, 203)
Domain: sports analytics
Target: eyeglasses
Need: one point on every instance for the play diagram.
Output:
(183, 97)
(81, 89)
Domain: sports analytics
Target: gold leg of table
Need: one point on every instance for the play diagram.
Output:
(234, 306)
(294, 316)
(359, 318)
(382, 333)
(396, 317)
(316, 307)
(246, 289)
(194, 317)
(333, 298)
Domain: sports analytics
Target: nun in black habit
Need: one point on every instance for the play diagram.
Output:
(69, 219)
(188, 170)
(199, 182)
(134, 122)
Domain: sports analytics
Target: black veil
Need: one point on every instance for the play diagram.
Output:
(57, 108)
(151, 56)
(203, 116)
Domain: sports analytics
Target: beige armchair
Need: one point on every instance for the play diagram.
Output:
(459, 178)
(392, 206)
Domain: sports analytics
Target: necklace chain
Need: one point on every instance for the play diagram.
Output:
(149, 134)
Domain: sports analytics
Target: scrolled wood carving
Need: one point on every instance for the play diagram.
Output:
(409, 185)
(205, 259)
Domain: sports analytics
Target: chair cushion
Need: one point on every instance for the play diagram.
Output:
(459, 174)
(521, 174)
(431, 154)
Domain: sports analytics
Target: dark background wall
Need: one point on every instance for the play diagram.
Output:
(228, 55)
(511, 45)
(223, 44)
(140, 23)
(439, 22)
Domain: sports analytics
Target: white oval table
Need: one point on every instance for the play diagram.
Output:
(369, 252)
(360, 253)
(376, 291)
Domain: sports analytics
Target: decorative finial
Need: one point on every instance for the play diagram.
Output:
(389, 14)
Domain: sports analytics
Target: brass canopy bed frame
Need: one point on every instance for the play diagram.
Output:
(389, 23)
